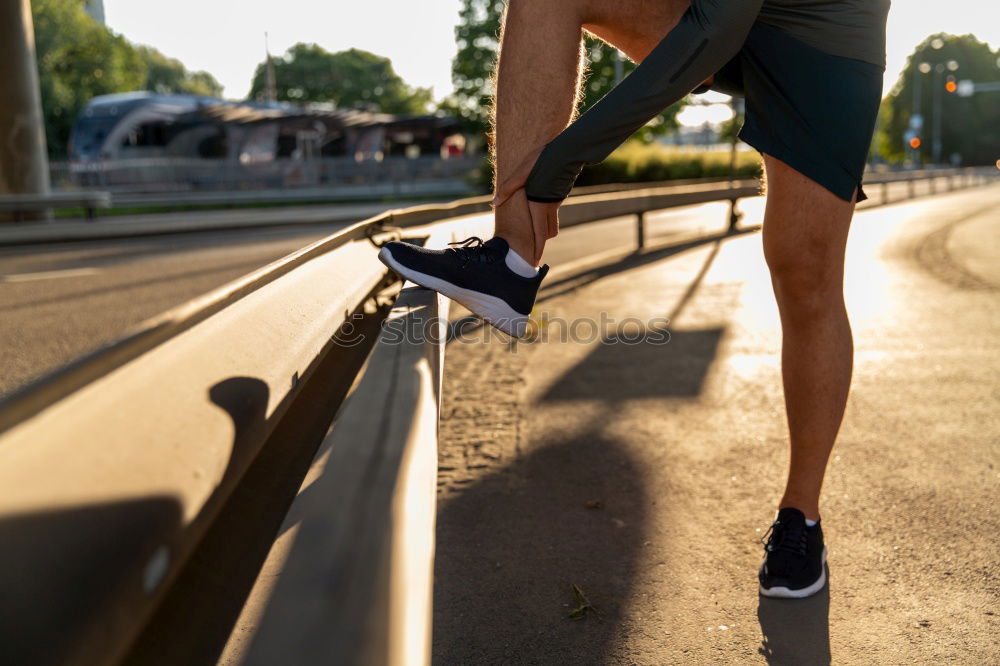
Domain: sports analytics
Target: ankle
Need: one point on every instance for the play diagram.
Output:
(519, 264)
(524, 248)
(810, 511)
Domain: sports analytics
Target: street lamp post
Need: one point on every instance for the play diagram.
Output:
(939, 69)
(916, 117)
(938, 84)
(24, 164)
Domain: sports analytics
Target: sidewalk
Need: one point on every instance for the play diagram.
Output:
(645, 473)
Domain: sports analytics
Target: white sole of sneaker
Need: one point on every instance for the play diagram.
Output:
(785, 593)
(490, 309)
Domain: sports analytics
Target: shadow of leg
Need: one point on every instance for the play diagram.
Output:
(512, 545)
(796, 631)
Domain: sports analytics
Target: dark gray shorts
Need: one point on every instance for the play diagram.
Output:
(813, 111)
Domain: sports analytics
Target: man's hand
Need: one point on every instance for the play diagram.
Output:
(544, 216)
(544, 223)
(516, 179)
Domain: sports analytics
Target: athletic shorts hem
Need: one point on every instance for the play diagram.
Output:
(810, 109)
(840, 185)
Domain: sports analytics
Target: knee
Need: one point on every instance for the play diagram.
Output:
(806, 284)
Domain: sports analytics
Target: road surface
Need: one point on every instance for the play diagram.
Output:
(644, 473)
(60, 301)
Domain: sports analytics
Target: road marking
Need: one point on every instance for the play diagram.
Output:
(47, 275)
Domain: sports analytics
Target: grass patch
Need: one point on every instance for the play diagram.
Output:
(635, 162)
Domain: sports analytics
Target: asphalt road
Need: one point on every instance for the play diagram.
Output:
(60, 301)
(644, 473)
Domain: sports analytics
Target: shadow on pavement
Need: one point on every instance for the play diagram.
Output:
(510, 547)
(796, 631)
(61, 568)
(558, 287)
(616, 370)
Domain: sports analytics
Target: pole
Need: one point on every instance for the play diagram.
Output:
(918, 80)
(736, 104)
(271, 92)
(24, 164)
(938, 74)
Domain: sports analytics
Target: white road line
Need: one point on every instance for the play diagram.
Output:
(47, 275)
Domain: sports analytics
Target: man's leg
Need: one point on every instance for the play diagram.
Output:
(805, 236)
(538, 73)
(536, 81)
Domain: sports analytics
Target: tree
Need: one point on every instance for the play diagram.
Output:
(969, 124)
(79, 59)
(477, 35)
(165, 76)
(352, 78)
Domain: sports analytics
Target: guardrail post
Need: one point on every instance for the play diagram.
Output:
(885, 193)
(640, 229)
(911, 188)
(734, 215)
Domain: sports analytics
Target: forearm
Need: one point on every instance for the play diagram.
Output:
(708, 35)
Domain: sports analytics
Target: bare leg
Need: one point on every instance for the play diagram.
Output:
(538, 74)
(805, 236)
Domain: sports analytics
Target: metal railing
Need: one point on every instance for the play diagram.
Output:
(184, 173)
(21, 204)
(119, 468)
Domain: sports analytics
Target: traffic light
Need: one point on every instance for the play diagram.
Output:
(915, 142)
(950, 85)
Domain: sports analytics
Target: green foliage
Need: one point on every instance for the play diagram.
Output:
(79, 59)
(731, 128)
(166, 75)
(477, 36)
(638, 162)
(969, 124)
(308, 73)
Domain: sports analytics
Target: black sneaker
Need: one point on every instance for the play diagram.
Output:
(473, 273)
(794, 557)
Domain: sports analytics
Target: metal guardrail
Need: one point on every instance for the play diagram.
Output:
(116, 469)
(18, 204)
(219, 173)
(375, 472)
(339, 194)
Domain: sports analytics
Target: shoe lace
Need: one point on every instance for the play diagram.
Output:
(788, 538)
(471, 249)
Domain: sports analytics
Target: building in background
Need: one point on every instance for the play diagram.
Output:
(142, 138)
(96, 9)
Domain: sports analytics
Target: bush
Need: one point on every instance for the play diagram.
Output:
(636, 162)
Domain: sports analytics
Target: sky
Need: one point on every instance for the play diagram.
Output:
(226, 37)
